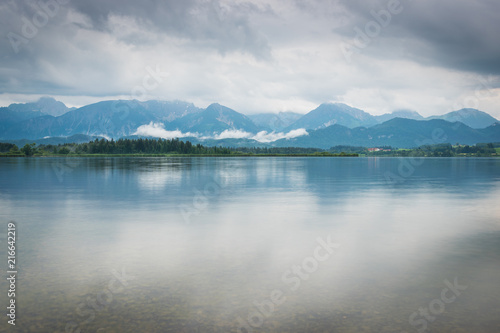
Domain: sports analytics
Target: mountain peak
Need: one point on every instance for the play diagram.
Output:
(216, 118)
(220, 109)
(47, 99)
(469, 110)
(46, 105)
(408, 114)
(471, 117)
(405, 112)
(328, 114)
(215, 105)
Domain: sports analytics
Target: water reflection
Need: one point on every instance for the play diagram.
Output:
(254, 220)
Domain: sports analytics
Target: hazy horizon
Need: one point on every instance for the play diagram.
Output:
(246, 114)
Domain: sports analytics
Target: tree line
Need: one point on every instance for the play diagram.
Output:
(176, 146)
(121, 146)
(436, 150)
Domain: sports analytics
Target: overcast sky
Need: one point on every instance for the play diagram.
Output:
(255, 56)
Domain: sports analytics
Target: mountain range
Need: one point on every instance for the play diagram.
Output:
(328, 125)
(275, 121)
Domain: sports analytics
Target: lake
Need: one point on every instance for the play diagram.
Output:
(264, 244)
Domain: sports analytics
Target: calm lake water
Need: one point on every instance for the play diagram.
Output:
(253, 244)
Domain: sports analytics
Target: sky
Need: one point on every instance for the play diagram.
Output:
(255, 56)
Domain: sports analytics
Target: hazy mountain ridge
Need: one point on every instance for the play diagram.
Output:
(214, 119)
(471, 117)
(112, 119)
(408, 114)
(397, 132)
(169, 111)
(328, 125)
(329, 114)
(46, 105)
(275, 121)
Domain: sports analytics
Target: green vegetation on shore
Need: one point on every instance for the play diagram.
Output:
(175, 147)
(152, 148)
(436, 150)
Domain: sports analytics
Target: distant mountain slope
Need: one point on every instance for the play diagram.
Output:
(46, 105)
(328, 125)
(333, 113)
(398, 132)
(413, 133)
(470, 117)
(214, 119)
(491, 131)
(77, 138)
(108, 118)
(9, 118)
(408, 114)
(112, 119)
(169, 111)
(275, 121)
(34, 128)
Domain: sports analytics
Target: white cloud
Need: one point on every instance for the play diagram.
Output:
(270, 137)
(262, 136)
(104, 136)
(232, 134)
(157, 130)
(253, 56)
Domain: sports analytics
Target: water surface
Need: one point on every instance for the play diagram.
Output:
(231, 244)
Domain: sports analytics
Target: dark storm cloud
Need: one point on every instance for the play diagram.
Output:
(38, 35)
(254, 54)
(458, 34)
(224, 26)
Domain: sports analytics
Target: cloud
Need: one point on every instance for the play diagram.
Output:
(262, 136)
(270, 137)
(255, 55)
(231, 134)
(157, 130)
(223, 25)
(457, 34)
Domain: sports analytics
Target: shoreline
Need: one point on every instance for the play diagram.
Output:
(184, 155)
(232, 156)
